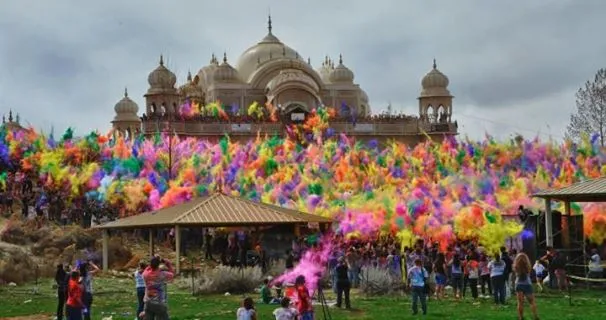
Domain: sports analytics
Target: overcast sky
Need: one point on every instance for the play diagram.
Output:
(512, 68)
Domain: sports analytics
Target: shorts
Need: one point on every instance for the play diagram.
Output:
(440, 279)
(526, 289)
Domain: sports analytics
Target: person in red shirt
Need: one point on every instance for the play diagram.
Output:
(304, 306)
(74, 303)
(156, 279)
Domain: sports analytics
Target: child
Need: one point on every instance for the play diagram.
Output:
(417, 278)
(247, 311)
(539, 271)
(140, 286)
(266, 297)
(304, 306)
(285, 312)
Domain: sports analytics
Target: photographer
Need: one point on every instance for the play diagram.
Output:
(156, 307)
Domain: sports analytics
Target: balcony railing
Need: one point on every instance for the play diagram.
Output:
(402, 128)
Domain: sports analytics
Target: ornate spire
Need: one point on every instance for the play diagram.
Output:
(3, 119)
(309, 60)
(17, 118)
(212, 58)
(161, 60)
(10, 115)
(125, 92)
(189, 75)
(340, 58)
(224, 57)
(435, 66)
(269, 22)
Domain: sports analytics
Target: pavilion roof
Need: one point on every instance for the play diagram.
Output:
(217, 210)
(593, 190)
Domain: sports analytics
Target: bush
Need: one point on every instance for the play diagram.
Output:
(223, 279)
(378, 281)
(17, 266)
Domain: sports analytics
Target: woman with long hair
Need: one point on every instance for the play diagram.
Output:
(523, 284)
(439, 267)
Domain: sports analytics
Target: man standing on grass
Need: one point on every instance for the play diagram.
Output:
(417, 278)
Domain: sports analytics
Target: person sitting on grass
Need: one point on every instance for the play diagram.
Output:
(247, 311)
(266, 296)
(523, 285)
(285, 312)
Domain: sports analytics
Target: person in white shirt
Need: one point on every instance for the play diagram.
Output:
(140, 286)
(539, 272)
(497, 271)
(417, 278)
(247, 311)
(285, 312)
(596, 271)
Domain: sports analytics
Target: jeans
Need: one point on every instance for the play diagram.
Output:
(465, 283)
(418, 293)
(485, 280)
(473, 285)
(87, 300)
(354, 276)
(140, 296)
(155, 311)
(73, 313)
(498, 289)
(343, 288)
(457, 282)
(61, 296)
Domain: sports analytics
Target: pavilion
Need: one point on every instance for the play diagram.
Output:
(593, 190)
(216, 210)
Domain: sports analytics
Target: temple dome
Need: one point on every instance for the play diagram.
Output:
(192, 88)
(126, 109)
(225, 72)
(341, 74)
(435, 83)
(161, 77)
(269, 48)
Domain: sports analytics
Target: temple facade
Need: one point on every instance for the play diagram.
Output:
(272, 73)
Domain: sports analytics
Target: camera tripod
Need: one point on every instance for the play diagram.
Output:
(322, 299)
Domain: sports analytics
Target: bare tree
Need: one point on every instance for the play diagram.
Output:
(590, 117)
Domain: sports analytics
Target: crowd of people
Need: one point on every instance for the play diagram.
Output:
(42, 205)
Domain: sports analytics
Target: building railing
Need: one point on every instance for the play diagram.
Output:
(403, 127)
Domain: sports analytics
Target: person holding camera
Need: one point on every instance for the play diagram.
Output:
(156, 307)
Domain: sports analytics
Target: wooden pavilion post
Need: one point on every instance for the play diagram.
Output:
(105, 253)
(178, 249)
(566, 225)
(548, 223)
(151, 243)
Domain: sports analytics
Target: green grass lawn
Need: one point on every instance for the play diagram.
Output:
(116, 297)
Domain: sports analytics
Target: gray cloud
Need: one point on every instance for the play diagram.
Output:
(65, 63)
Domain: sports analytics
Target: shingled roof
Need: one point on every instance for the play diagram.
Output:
(593, 190)
(217, 210)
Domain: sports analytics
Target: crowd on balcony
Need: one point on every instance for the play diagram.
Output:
(239, 118)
